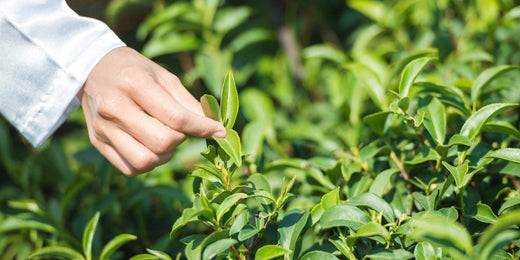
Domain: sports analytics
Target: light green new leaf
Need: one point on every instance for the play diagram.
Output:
(326, 52)
(114, 244)
(397, 254)
(144, 257)
(442, 232)
(319, 255)
(382, 181)
(498, 234)
(424, 251)
(240, 221)
(210, 107)
(292, 224)
(427, 202)
(410, 72)
(88, 236)
(509, 204)
(485, 214)
(373, 229)
(229, 202)
(24, 221)
(501, 127)
(475, 122)
(485, 78)
(231, 145)
(228, 18)
(343, 215)
(215, 248)
(158, 254)
(458, 172)
(57, 252)
(330, 199)
(229, 101)
(508, 154)
(374, 202)
(435, 120)
(271, 252)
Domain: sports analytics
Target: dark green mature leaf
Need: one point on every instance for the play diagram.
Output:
(229, 101)
(88, 236)
(508, 154)
(373, 229)
(501, 127)
(475, 122)
(485, 78)
(343, 215)
(271, 252)
(57, 252)
(114, 244)
(458, 172)
(289, 230)
(210, 107)
(377, 121)
(319, 255)
(428, 202)
(374, 202)
(247, 232)
(424, 154)
(382, 181)
(397, 254)
(442, 232)
(435, 120)
(217, 247)
(410, 72)
(24, 221)
(231, 145)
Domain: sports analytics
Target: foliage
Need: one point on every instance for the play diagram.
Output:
(391, 134)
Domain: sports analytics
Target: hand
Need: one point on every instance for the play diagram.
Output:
(137, 112)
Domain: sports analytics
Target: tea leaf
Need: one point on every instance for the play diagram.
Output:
(382, 181)
(424, 251)
(485, 78)
(291, 226)
(158, 254)
(458, 172)
(497, 234)
(410, 72)
(240, 221)
(475, 122)
(426, 201)
(373, 229)
(508, 154)
(22, 221)
(343, 215)
(114, 244)
(435, 120)
(57, 252)
(508, 204)
(212, 250)
(210, 107)
(229, 101)
(330, 199)
(501, 127)
(325, 51)
(271, 252)
(229, 202)
(319, 255)
(88, 236)
(485, 214)
(231, 145)
(397, 254)
(374, 202)
(247, 232)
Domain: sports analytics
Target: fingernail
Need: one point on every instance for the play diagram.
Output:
(220, 134)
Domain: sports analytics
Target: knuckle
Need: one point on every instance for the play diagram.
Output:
(177, 120)
(108, 108)
(166, 142)
(144, 161)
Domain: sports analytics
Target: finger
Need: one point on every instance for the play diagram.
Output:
(156, 101)
(174, 87)
(147, 130)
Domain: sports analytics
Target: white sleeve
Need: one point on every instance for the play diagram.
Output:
(46, 54)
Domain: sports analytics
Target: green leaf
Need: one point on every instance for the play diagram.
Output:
(397, 254)
(373, 229)
(144, 257)
(377, 121)
(319, 255)
(498, 234)
(435, 120)
(57, 252)
(426, 201)
(229, 202)
(247, 231)
(424, 154)
(485, 78)
(114, 244)
(508, 154)
(210, 107)
(441, 232)
(410, 72)
(508, 204)
(485, 214)
(158, 254)
(475, 122)
(231, 145)
(325, 52)
(424, 251)
(382, 181)
(170, 43)
(271, 252)
(501, 127)
(24, 221)
(291, 226)
(229, 101)
(343, 215)
(330, 199)
(374, 202)
(458, 172)
(88, 236)
(370, 81)
(215, 248)
(228, 18)
(240, 221)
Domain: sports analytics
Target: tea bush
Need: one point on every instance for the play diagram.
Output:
(378, 130)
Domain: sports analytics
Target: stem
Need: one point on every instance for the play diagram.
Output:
(462, 206)
(399, 165)
(515, 182)
(349, 251)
